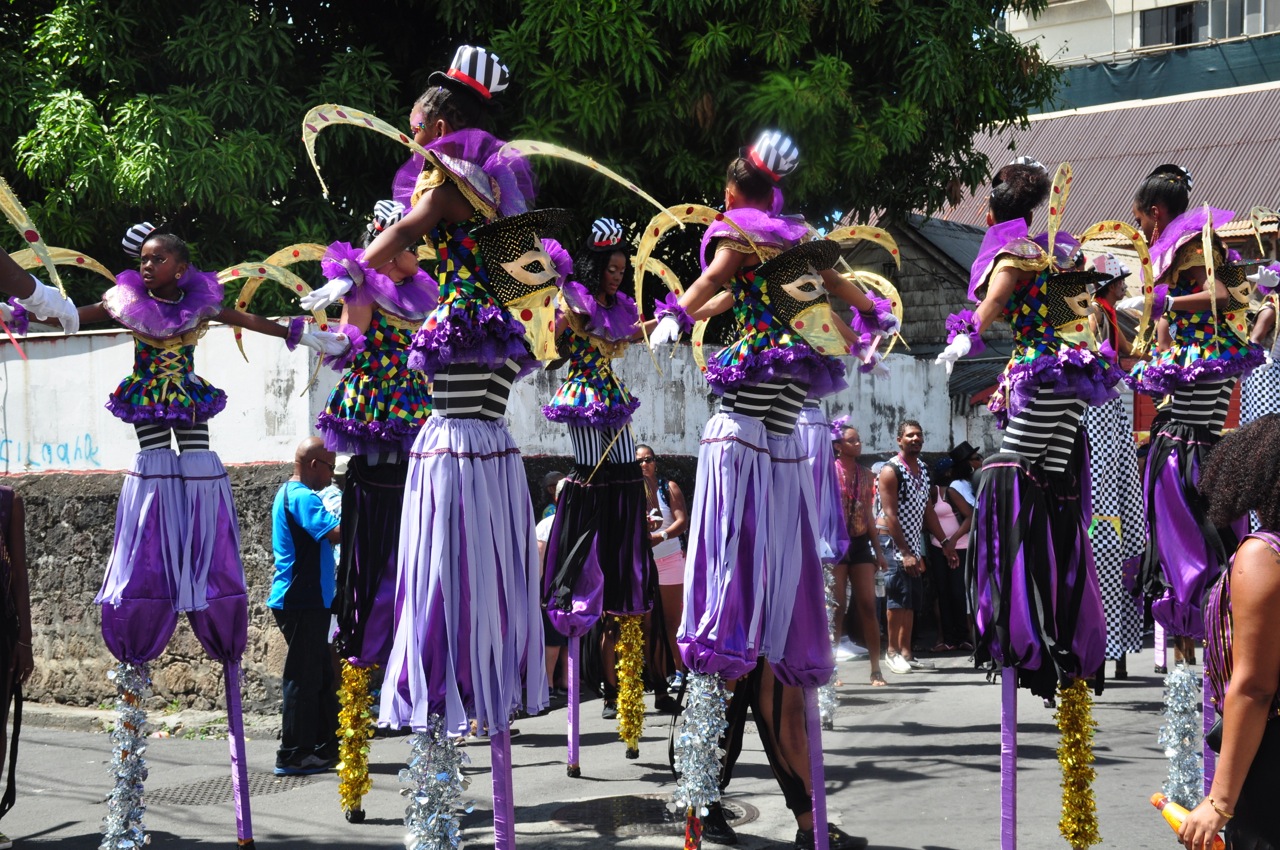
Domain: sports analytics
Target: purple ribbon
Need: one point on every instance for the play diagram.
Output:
(296, 324)
(504, 812)
(574, 687)
(235, 738)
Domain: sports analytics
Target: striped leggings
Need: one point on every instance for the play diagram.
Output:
(1045, 431)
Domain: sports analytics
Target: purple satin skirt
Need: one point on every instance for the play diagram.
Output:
(598, 557)
(815, 434)
(468, 630)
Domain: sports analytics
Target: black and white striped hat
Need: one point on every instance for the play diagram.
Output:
(475, 69)
(135, 236)
(774, 154)
(386, 213)
(605, 233)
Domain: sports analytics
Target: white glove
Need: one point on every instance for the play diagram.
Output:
(1265, 278)
(955, 349)
(890, 325)
(325, 342)
(881, 371)
(6, 313)
(48, 303)
(666, 334)
(1131, 304)
(330, 293)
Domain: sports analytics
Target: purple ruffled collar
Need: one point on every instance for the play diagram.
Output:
(764, 228)
(1178, 232)
(996, 242)
(502, 179)
(615, 323)
(412, 297)
(130, 304)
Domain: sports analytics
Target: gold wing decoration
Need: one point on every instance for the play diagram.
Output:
(29, 259)
(1146, 326)
(20, 219)
(1206, 243)
(644, 261)
(1058, 193)
(331, 115)
(273, 268)
(882, 286)
(1258, 216)
(869, 281)
(530, 147)
(865, 232)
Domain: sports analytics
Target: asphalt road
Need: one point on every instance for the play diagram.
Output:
(914, 766)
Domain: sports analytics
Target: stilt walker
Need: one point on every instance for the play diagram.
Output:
(177, 543)
(374, 413)
(1202, 293)
(1036, 601)
(599, 559)
(467, 633)
(753, 579)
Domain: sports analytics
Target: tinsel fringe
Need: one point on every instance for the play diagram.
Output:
(355, 730)
(1181, 736)
(435, 774)
(1079, 823)
(827, 697)
(630, 655)
(122, 827)
(697, 755)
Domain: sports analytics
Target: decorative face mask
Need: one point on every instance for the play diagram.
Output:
(1067, 297)
(1239, 292)
(798, 296)
(521, 274)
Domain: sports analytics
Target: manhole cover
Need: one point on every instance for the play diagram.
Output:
(214, 792)
(640, 814)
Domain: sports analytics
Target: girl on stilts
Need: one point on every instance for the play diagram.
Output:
(599, 560)
(754, 603)
(1037, 605)
(374, 414)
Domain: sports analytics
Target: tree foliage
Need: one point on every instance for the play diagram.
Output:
(120, 110)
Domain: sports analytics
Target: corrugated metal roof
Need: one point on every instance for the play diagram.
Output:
(1229, 142)
(960, 242)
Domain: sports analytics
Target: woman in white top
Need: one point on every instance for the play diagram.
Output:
(668, 519)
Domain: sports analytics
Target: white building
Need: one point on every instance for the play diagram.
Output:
(1082, 31)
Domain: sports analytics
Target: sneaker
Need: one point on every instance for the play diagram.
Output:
(307, 766)
(675, 682)
(847, 650)
(897, 664)
(917, 664)
(5, 841)
(715, 827)
(610, 710)
(837, 839)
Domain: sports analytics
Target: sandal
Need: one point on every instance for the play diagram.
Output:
(877, 680)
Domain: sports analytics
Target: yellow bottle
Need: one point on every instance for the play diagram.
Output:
(1175, 815)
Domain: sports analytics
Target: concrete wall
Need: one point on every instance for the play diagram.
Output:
(63, 452)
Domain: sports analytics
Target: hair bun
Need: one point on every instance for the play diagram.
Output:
(1176, 173)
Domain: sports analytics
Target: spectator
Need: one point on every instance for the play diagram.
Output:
(669, 519)
(905, 512)
(955, 516)
(863, 557)
(302, 534)
(15, 630)
(551, 489)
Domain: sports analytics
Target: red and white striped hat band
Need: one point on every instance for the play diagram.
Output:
(479, 70)
(774, 154)
(605, 233)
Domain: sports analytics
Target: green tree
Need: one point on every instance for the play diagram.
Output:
(119, 110)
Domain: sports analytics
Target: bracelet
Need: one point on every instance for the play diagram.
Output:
(1221, 813)
(965, 323)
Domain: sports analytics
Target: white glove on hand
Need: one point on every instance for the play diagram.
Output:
(48, 303)
(1265, 278)
(325, 342)
(330, 293)
(881, 371)
(890, 325)
(956, 349)
(666, 334)
(6, 313)
(1131, 304)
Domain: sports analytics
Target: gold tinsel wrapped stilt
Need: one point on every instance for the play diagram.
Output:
(1079, 824)
(630, 653)
(355, 730)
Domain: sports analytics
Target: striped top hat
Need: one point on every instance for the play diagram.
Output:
(473, 69)
(605, 233)
(135, 236)
(386, 213)
(774, 154)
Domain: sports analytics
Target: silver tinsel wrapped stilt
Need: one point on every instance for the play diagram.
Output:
(827, 699)
(435, 774)
(1181, 736)
(698, 750)
(122, 828)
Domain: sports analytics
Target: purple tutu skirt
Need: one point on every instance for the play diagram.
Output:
(467, 627)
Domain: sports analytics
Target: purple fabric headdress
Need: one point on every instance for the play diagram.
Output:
(507, 179)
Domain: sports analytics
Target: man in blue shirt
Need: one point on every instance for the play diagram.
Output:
(303, 535)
